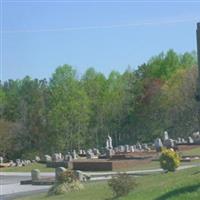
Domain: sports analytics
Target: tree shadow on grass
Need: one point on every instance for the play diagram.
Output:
(178, 191)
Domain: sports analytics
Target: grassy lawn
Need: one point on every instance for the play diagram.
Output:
(194, 151)
(181, 185)
(28, 168)
(150, 165)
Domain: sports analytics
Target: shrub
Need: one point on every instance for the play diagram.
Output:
(66, 182)
(121, 184)
(169, 160)
(67, 177)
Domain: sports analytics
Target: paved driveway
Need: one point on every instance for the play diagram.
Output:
(10, 187)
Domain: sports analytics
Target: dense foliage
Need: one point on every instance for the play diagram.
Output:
(66, 182)
(70, 112)
(121, 184)
(169, 160)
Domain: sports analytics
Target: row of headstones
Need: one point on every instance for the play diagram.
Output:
(17, 162)
(196, 137)
(170, 143)
(56, 157)
(183, 141)
(132, 148)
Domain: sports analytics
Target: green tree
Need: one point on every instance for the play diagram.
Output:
(68, 114)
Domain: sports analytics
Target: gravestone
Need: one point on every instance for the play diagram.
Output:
(18, 163)
(80, 152)
(74, 155)
(109, 153)
(55, 157)
(169, 143)
(196, 137)
(90, 154)
(183, 141)
(12, 164)
(1, 160)
(139, 146)
(165, 136)
(69, 158)
(59, 170)
(109, 143)
(145, 147)
(132, 149)
(35, 174)
(47, 158)
(96, 152)
(121, 149)
(190, 140)
(80, 176)
(37, 158)
(127, 148)
(158, 144)
(179, 140)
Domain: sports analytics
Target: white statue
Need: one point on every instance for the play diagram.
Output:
(166, 136)
(109, 143)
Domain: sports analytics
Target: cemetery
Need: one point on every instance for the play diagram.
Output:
(92, 164)
(112, 158)
(126, 136)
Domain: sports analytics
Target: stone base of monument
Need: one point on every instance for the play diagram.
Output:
(59, 164)
(190, 158)
(107, 165)
(134, 155)
(4, 165)
(42, 181)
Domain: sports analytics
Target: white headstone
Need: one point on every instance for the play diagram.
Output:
(35, 174)
(166, 136)
(59, 170)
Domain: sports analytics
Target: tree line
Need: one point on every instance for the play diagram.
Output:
(71, 112)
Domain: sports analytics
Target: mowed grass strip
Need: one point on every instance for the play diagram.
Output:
(28, 168)
(181, 185)
(195, 151)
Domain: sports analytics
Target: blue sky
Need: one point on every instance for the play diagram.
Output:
(38, 36)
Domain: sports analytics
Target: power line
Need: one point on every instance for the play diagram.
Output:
(102, 1)
(136, 24)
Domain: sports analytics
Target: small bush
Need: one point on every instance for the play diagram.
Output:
(66, 182)
(62, 188)
(169, 160)
(67, 177)
(121, 184)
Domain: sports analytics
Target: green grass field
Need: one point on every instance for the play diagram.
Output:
(181, 185)
(194, 151)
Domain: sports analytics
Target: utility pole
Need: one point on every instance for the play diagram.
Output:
(198, 48)
(198, 80)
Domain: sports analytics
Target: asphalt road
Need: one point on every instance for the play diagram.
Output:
(10, 187)
(6, 180)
